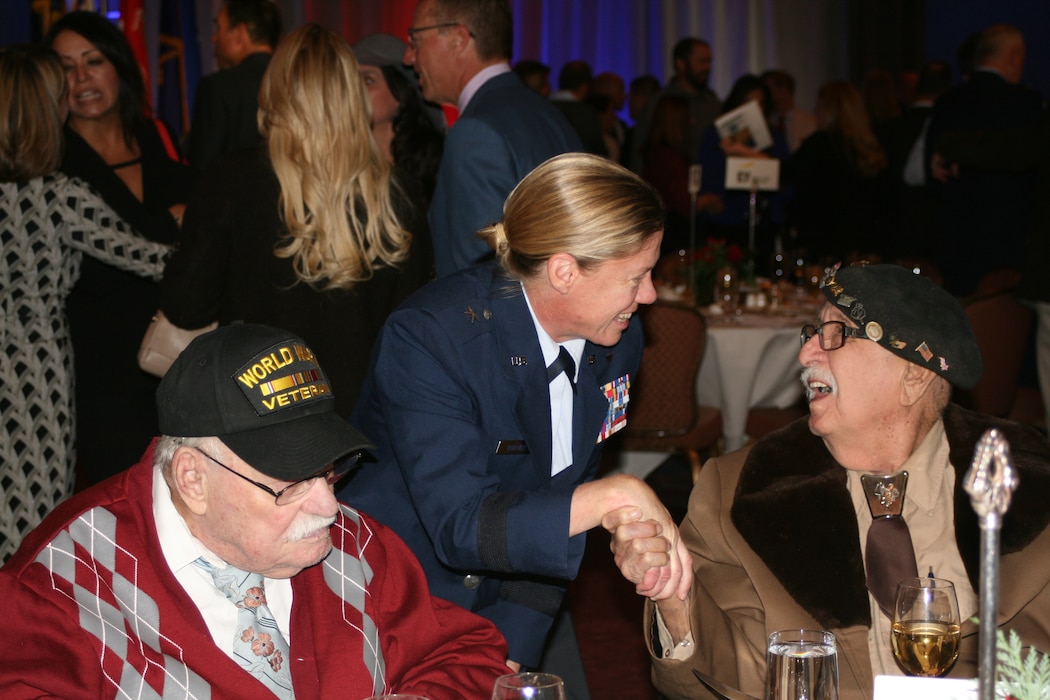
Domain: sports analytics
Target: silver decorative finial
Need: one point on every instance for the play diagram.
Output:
(990, 482)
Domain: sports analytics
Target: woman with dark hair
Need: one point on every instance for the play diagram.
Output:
(47, 222)
(730, 220)
(409, 132)
(114, 145)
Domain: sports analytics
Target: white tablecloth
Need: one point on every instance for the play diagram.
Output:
(750, 360)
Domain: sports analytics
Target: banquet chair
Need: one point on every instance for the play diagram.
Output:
(1002, 326)
(664, 415)
(762, 420)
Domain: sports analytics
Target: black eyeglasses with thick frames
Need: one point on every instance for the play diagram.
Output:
(297, 489)
(413, 31)
(832, 334)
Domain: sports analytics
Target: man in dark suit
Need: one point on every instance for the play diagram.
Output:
(491, 394)
(461, 51)
(574, 83)
(985, 216)
(914, 206)
(224, 111)
(692, 69)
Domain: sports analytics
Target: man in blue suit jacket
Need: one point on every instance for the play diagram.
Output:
(485, 456)
(504, 130)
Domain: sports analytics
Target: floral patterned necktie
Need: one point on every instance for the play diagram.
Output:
(258, 646)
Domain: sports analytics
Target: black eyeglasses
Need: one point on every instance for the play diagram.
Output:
(832, 334)
(297, 489)
(443, 25)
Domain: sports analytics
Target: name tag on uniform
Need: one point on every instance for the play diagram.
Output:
(512, 447)
(618, 394)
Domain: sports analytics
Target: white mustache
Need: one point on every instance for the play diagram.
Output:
(814, 374)
(306, 525)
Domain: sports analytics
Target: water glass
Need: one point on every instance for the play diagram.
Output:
(802, 665)
(529, 686)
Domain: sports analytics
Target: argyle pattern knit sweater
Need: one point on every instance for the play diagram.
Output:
(96, 613)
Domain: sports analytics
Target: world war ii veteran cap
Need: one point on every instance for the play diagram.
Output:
(261, 391)
(909, 315)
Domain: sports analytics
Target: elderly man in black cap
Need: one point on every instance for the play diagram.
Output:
(221, 564)
(792, 533)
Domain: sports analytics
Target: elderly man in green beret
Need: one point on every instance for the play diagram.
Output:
(812, 526)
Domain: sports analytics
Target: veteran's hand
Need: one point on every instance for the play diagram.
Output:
(649, 553)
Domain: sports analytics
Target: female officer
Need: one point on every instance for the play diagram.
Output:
(492, 391)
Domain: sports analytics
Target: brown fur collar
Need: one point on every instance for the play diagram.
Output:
(792, 494)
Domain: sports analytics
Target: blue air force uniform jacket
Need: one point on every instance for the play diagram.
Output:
(457, 402)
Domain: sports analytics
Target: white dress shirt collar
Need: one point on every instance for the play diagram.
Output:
(483, 76)
(562, 396)
(181, 549)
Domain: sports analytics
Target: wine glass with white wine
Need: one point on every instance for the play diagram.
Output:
(926, 626)
(529, 686)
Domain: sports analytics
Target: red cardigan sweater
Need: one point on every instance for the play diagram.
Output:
(94, 612)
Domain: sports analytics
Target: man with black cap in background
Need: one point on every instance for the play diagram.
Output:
(222, 559)
(782, 533)
(410, 132)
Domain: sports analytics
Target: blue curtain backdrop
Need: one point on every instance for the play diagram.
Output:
(635, 37)
(632, 38)
(809, 38)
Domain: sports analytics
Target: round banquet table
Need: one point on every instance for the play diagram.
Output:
(750, 360)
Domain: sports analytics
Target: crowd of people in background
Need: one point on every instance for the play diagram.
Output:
(855, 179)
(322, 186)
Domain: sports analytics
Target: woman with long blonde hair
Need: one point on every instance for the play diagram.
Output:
(837, 173)
(312, 232)
(312, 84)
(841, 112)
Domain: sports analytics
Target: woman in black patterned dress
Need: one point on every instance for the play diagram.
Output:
(46, 222)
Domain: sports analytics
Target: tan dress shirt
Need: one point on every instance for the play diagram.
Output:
(931, 480)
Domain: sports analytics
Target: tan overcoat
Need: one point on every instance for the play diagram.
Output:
(775, 545)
